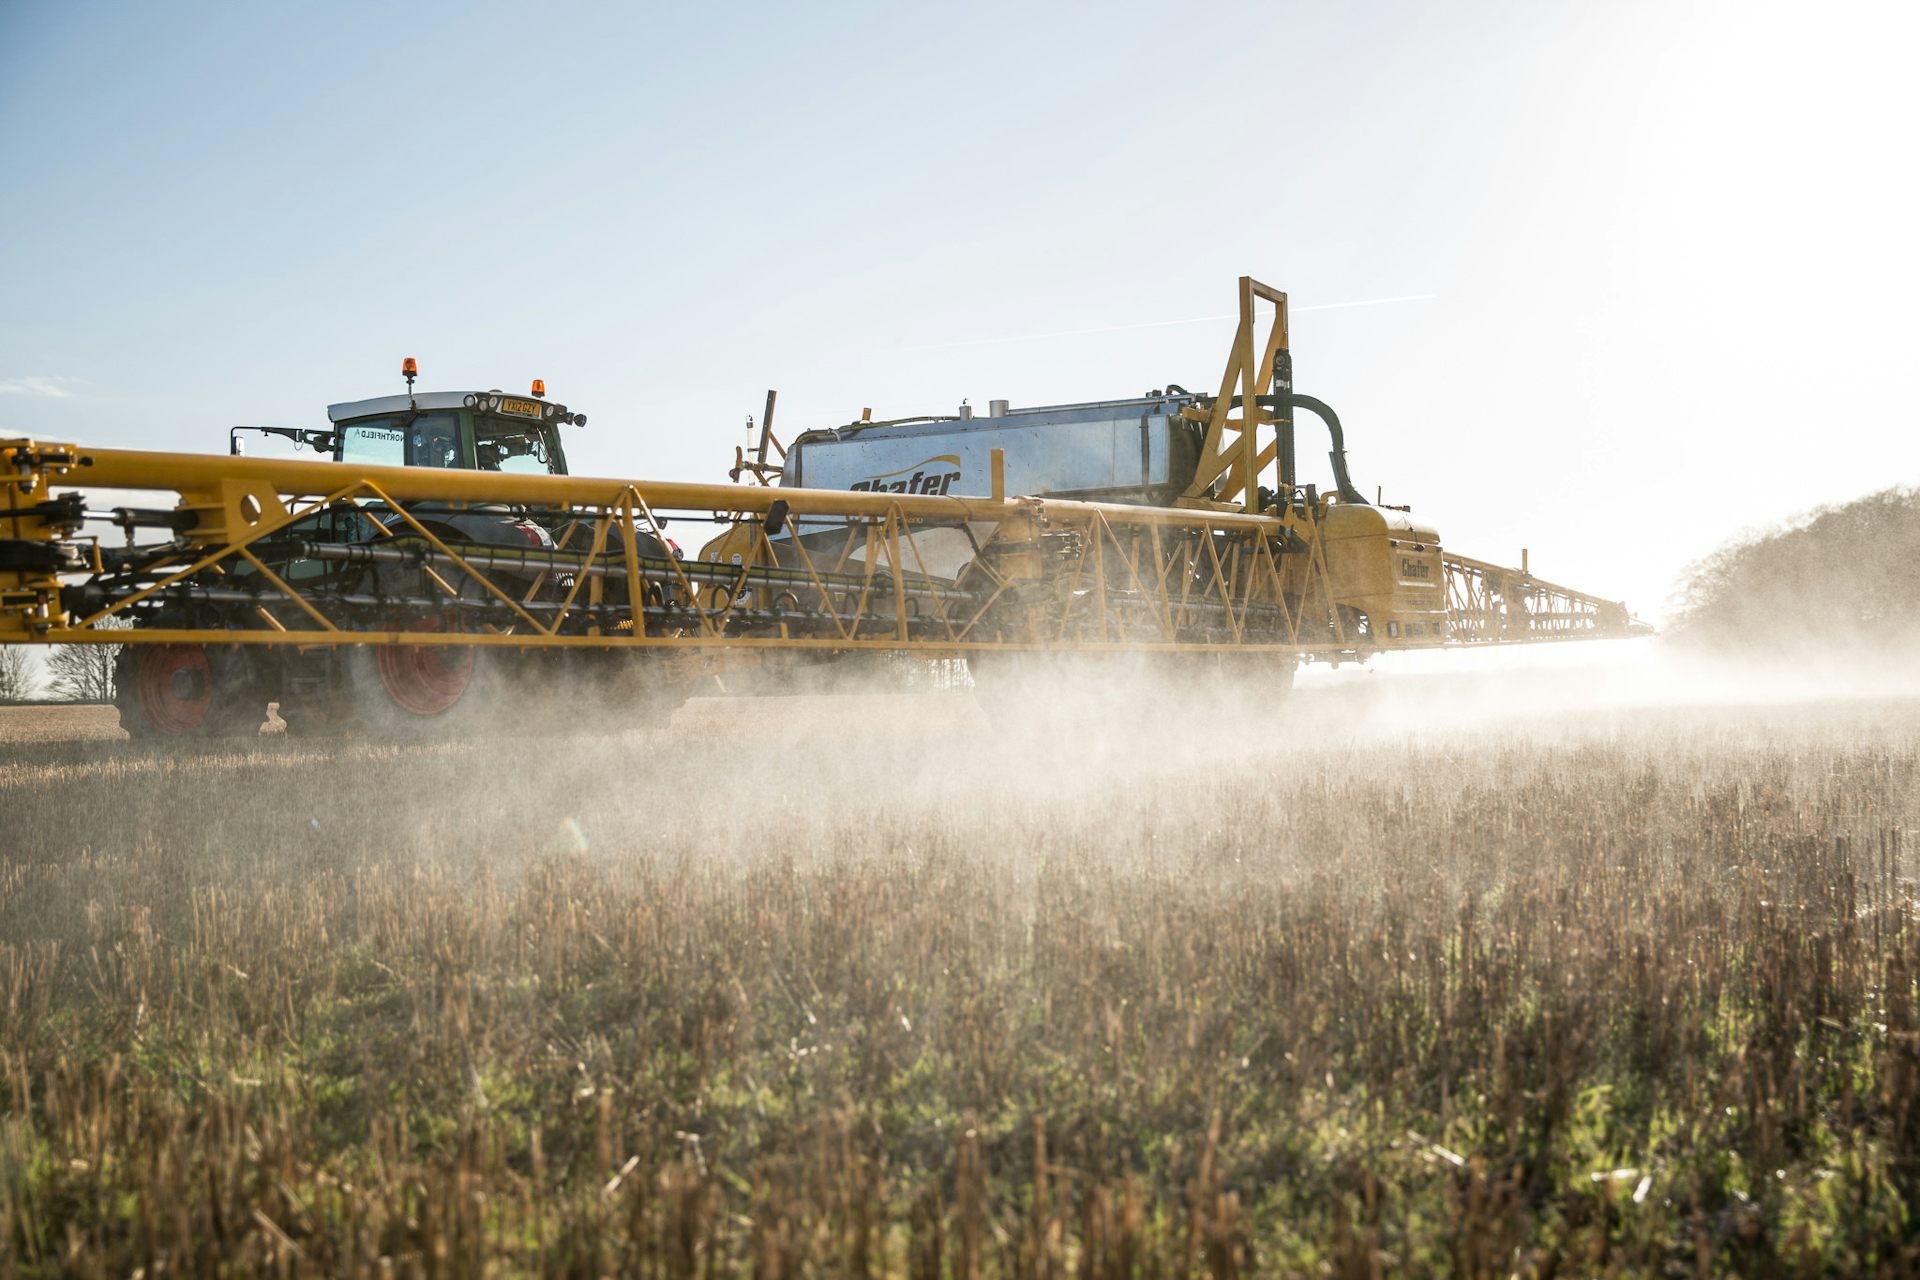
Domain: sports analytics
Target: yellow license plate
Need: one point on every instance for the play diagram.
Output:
(530, 408)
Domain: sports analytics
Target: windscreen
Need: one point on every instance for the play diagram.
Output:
(515, 445)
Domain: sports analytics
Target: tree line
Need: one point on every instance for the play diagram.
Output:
(1840, 576)
(70, 673)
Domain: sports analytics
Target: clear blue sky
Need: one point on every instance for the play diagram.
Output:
(1670, 246)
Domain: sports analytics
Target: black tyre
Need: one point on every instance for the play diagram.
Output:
(419, 691)
(174, 691)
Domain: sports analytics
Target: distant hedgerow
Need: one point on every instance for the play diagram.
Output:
(1846, 576)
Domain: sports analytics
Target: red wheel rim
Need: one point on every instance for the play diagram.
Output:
(424, 680)
(174, 685)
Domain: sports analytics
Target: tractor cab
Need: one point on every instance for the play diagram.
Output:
(465, 430)
(470, 430)
(458, 430)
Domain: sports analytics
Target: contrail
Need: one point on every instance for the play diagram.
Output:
(1154, 324)
(1364, 302)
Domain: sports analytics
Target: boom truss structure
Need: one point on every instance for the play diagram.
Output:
(1492, 604)
(258, 559)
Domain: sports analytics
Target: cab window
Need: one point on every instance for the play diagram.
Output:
(436, 440)
(409, 440)
(521, 448)
(379, 442)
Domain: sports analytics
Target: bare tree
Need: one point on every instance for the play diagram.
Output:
(18, 678)
(84, 672)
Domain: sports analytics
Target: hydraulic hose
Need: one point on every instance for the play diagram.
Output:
(1343, 483)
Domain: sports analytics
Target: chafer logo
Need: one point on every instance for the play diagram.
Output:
(934, 476)
(1411, 568)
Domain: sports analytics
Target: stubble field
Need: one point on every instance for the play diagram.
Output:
(879, 991)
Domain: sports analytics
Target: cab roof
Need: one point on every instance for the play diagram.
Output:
(430, 400)
(397, 404)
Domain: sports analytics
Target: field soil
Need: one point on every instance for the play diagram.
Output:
(1330, 986)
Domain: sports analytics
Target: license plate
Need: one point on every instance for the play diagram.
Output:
(527, 408)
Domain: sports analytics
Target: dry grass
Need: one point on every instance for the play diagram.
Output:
(1637, 998)
(60, 724)
(909, 716)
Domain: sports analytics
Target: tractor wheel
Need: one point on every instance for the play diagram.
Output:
(187, 691)
(423, 691)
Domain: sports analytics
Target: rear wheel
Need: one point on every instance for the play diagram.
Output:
(407, 691)
(187, 691)
(424, 690)
(424, 680)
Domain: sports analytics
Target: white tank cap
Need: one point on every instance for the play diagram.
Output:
(996, 408)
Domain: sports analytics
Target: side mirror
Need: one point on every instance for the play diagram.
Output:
(776, 517)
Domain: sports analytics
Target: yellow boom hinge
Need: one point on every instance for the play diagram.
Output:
(36, 529)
